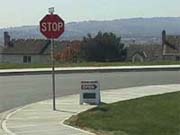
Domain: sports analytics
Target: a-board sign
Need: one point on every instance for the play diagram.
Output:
(90, 92)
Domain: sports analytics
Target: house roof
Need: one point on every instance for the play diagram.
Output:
(30, 47)
(149, 50)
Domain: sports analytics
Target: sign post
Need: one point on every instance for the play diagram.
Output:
(52, 26)
(53, 75)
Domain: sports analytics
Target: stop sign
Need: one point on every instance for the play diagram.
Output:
(52, 26)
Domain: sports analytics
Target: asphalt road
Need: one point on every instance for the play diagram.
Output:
(20, 90)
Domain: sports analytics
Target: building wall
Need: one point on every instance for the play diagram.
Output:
(0, 58)
(171, 58)
(41, 59)
(18, 59)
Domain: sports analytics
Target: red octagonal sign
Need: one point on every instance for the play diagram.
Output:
(52, 26)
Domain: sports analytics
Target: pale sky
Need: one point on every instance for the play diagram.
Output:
(29, 12)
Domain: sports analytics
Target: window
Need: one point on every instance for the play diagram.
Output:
(26, 59)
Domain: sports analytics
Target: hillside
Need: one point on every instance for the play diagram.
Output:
(139, 29)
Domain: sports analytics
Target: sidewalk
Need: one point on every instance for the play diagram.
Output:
(39, 119)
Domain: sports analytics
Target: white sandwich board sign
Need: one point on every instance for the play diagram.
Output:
(90, 92)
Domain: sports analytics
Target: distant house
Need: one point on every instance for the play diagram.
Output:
(21, 51)
(169, 50)
(141, 53)
(170, 46)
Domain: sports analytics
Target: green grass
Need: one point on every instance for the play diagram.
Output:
(154, 115)
(86, 64)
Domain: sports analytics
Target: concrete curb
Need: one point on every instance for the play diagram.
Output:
(3, 118)
(7, 115)
(87, 132)
(6, 72)
(4, 125)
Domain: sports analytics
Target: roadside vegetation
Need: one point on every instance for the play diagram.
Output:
(87, 64)
(104, 47)
(153, 115)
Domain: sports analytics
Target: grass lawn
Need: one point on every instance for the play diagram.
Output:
(154, 115)
(86, 64)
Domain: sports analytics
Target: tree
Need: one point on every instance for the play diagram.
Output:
(103, 47)
(69, 53)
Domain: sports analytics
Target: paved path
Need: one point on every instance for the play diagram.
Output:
(39, 119)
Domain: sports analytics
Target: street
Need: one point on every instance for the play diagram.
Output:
(21, 90)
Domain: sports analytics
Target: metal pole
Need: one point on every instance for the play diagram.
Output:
(51, 11)
(53, 75)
